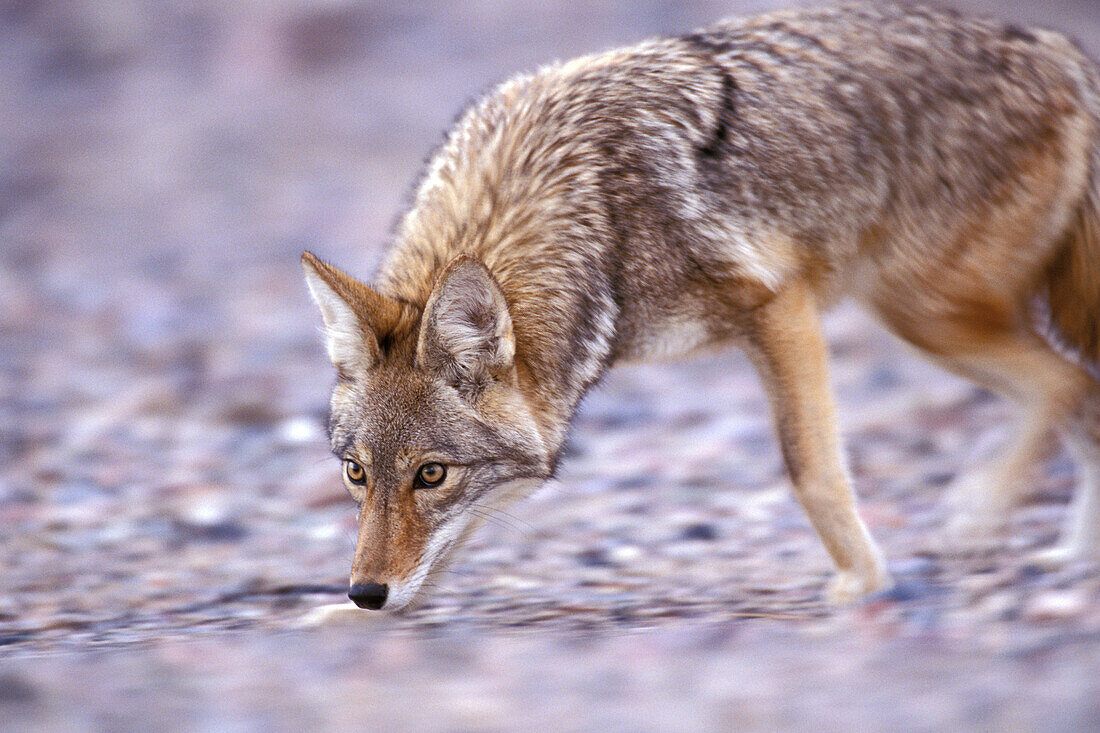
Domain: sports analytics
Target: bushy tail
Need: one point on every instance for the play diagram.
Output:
(1073, 280)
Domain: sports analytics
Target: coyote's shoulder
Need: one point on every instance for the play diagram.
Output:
(720, 187)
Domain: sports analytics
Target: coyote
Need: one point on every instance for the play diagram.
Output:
(723, 187)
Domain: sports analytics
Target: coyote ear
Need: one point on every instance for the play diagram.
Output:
(355, 316)
(466, 333)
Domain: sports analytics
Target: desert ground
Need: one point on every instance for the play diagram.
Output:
(171, 519)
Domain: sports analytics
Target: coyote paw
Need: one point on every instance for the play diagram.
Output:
(848, 586)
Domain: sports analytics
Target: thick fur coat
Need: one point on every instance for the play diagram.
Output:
(718, 188)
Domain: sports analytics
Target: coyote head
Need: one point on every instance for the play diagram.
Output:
(427, 417)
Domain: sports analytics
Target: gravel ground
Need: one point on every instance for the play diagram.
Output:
(171, 519)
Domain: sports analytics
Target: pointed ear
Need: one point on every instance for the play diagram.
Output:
(355, 316)
(466, 333)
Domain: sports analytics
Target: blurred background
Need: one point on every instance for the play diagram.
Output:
(169, 511)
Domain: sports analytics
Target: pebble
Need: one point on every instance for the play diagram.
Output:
(609, 555)
(905, 590)
(300, 430)
(204, 508)
(1003, 606)
(227, 530)
(624, 553)
(912, 566)
(701, 531)
(324, 532)
(594, 557)
(1056, 605)
(514, 582)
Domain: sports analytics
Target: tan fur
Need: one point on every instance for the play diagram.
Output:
(1073, 285)
(721, 188)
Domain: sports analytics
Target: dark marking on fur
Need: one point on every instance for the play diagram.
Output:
(727, 111)
(711, 45)
(723, 50)
(1014, 32)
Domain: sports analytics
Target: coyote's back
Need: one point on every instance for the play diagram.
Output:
(720, 187)
(809, 142)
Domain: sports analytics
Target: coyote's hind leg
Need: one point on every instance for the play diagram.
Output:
(1080, 538)
(981, 500)
(1055, 393)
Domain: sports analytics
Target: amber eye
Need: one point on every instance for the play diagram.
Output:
(431, 474)
(355, 472)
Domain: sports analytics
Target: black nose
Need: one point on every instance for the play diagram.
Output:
(369, 595)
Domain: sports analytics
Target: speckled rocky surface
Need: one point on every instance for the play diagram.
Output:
(170, 517)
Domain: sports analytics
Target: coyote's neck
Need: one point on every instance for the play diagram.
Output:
(532, 216)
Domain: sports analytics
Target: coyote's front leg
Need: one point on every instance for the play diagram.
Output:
(786, 344)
